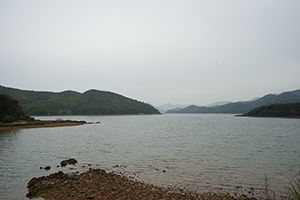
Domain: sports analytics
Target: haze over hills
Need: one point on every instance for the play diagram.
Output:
(243, 107)
(168, 106)
(218, 103)
(91, 102)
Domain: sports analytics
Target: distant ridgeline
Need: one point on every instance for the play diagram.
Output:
(276, 110)
(92, 102)
(243, 107)
(10, 110)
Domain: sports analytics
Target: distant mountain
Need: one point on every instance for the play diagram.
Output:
(168, 108)
(165, 107)
(219, 103)
(91, 102)
(243, 107)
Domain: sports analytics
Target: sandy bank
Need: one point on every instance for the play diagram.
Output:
(57, 124)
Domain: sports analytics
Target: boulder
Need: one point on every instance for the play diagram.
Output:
(71, 161)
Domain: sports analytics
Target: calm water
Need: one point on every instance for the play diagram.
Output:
(200, 152)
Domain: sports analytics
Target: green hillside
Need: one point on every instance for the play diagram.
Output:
(243, 107)
(10, 110)
(92, 102)
(276, 110)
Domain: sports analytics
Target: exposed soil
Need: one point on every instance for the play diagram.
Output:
(57, 124)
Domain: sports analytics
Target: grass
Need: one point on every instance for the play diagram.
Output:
(293, 192)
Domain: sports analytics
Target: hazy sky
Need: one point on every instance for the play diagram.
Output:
(158, 51)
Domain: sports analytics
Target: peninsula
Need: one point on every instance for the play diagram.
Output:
(288, 110)
(12, 117)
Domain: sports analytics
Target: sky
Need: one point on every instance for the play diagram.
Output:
(158, 51)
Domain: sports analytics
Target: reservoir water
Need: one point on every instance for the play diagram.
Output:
(199, 152)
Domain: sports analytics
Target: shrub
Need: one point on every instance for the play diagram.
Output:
(8, 119)
(27, 118)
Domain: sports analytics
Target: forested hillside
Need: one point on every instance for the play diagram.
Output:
(243, 107)
(276, 110)
(10, 110)
(92, 102)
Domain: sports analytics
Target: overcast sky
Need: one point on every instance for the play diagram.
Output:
(158, 51)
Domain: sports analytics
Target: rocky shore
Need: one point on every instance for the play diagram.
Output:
(98, 184)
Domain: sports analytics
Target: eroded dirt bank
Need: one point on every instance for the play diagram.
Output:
(57, 124)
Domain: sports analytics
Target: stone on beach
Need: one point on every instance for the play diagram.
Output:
(98, 184)
(70, 161)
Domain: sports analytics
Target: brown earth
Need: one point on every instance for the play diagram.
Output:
(57, 124)
(97, 184)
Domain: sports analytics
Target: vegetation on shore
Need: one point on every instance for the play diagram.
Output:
(12, 116)
(11, 111)
(276, 110)
(92, 102)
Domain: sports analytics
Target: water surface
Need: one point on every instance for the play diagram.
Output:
(200, 152)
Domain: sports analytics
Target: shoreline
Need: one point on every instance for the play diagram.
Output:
(290, 117)
(48, 125)
(98, 184)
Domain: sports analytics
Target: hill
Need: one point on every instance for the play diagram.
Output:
(276, 110)
(243, 107)
(10, 110)
(165, 107)
(91, 102)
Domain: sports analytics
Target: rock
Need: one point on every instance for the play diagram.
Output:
(97, 184)
(63, 163)
(71, 161)
(90, 197)
(47, 168)
(32, 182)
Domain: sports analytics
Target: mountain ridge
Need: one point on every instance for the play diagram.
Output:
(243, 107)
(90, 102)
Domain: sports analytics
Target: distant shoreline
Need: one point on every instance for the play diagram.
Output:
(267, 116)
(52, 124)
